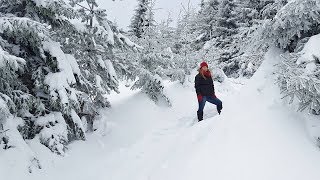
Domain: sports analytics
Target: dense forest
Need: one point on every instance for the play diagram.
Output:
(59, 59)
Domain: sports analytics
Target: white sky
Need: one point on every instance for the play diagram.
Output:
(121, 11)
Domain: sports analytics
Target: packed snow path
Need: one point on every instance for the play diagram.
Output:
(257, 137)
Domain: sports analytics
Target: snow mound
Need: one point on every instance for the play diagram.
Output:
(310, 54)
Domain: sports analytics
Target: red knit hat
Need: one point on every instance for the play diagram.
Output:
(203, 64)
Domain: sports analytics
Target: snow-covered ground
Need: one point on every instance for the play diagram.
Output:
(258, 136)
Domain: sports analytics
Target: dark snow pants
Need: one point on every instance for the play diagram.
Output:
(210, 99)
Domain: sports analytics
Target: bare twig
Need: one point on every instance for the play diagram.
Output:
(83, 7)
(3, 131)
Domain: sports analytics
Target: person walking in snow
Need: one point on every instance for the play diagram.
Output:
(205, 90)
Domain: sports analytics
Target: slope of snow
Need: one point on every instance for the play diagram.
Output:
(257, 137)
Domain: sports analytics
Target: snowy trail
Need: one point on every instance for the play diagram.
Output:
(271, 139)
(257, 137)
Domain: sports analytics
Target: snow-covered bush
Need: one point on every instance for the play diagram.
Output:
(54, 132)
(46, 82)
(176, 75)
(290, 30)
(51, 63)
(249, 62)
(218, 75)
(270, 8)
(4, 114)
(156, 60)
(299, 75)
(296, 20)
(251, 16)
(151, 85)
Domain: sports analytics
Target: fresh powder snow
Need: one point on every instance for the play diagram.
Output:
(257, 136)
(82, 98)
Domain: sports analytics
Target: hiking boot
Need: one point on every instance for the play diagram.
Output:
(200, 115)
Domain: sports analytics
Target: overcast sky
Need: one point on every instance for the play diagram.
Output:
(121, 11)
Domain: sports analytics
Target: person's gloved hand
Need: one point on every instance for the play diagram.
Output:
(199, 96)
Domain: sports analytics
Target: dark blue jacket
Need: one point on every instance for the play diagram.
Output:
(204, 86)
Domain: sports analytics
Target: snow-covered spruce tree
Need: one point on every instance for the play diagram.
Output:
(190, 43)
(152, 85)
(226, 21)
(153, 61)
(248, 11)
(104, 54)
(141, 18)
(46, 85)
(298, 76)
(296, 20)
(294, 27)
(166, 38)
(152, 65)
(215, 27)
(269, 9)
(248, 21)
(4, 116)
(187, 39)
(207, 21)
(224, 33)
(185, 29)
(93, 42)
(10, 67)
(251, 15)
(233, 25)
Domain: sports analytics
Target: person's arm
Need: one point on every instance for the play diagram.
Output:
(214, 92)
(196, 85)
